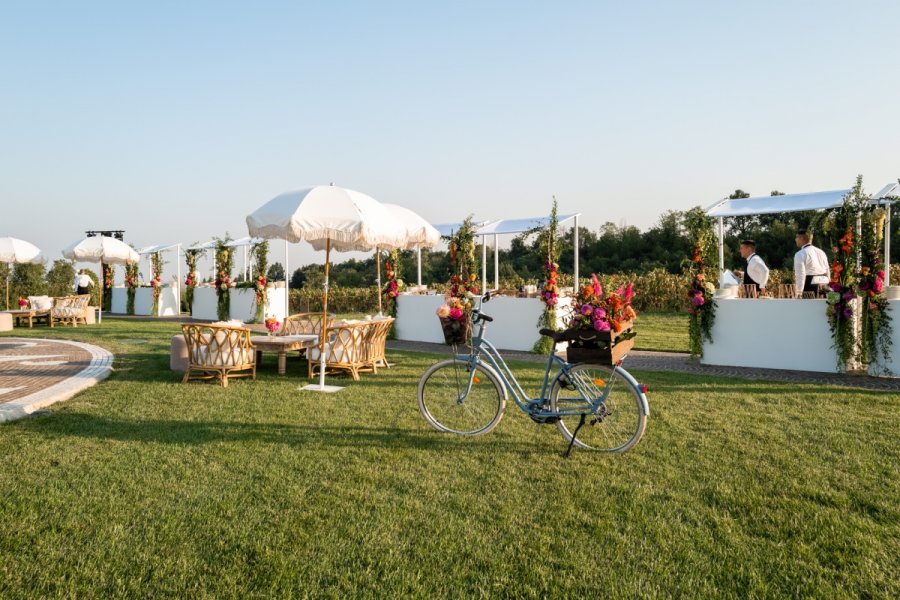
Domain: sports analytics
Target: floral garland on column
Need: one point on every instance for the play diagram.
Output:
(192, 278)
(108, 275)
(394, 284)
(131, 284)
(224, 264)
(260, 254)
(876, 328)
(701, 293)
(156, 266)
(549, 289)
(855, 272)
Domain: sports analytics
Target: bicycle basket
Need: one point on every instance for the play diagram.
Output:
(455, 332)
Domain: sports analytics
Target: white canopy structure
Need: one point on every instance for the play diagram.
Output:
(764, 205)
(509, 226)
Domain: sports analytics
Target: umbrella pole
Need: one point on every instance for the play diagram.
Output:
(9, 271)
(378, 276)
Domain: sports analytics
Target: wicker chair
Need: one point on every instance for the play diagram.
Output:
(69, 309)
(218, 352)
(375, 345)
(304, 323)
(347, 350)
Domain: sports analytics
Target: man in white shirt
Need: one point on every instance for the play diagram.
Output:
(811, 268)
(82, 282)
(756, 273)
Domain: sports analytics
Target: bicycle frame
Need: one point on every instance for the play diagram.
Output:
(533, 406)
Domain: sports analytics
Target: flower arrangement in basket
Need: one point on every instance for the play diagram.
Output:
(601, 327)
(272, 324)
(23, 303)
(456, 312)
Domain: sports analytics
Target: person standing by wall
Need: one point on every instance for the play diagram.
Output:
(82, 283)
(811, 269)
(756, 273)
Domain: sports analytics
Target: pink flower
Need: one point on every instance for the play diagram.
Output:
(698, 300)
(878, 286)
(456, 314)
(599, 313)
(587, 309)
(595, 283)
(601, 325)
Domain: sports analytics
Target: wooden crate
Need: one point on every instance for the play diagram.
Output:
(607, 347)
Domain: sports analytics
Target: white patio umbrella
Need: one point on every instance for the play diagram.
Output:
(14, 250)
(104, 250)
(419, 233)
(327, 217)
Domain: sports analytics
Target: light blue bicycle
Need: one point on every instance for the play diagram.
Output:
(595, 407)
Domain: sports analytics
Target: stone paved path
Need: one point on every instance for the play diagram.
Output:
(677, 362)
(35, 373)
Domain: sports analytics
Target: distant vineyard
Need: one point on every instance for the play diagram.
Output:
(656, 290)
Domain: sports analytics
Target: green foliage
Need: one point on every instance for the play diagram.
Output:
(60, 278)
(29, 280)
(275, 272)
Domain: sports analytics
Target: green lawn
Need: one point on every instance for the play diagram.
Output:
(662, 332)
(144, 487)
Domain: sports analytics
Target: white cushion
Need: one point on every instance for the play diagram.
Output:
(40, 302)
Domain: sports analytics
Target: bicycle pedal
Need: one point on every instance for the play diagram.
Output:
(544, 420)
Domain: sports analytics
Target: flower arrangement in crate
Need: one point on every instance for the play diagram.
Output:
(23, 303)
(601, 327)
(456, 312)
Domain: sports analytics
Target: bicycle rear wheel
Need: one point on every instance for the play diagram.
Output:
(455, 398)
(619, 422)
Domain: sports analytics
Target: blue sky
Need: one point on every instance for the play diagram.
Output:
(174, 120)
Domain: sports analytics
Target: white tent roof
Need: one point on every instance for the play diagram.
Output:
(244, 241)
(203, 246)
(520, 225)
(502, 226)
(157, 248)
(764, 205)
(447, 229)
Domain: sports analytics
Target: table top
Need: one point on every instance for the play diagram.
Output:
(283, 341)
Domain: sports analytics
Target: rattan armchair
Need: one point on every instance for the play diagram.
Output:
(69, 310)
(304, 323)
(218, 352)
(376, 343)
(347, 350)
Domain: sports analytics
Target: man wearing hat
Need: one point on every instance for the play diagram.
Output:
(810, 265)
(756, 273)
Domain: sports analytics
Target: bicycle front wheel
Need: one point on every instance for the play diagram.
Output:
(616, 424)
(456, 398)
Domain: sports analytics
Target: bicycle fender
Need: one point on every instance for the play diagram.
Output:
(645, 405)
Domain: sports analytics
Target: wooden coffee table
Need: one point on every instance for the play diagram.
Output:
(282, 344)
(27, 313)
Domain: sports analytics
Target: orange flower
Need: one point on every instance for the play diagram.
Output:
(587, 291)
(865, 271)
(629, 313)
(616, 326)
